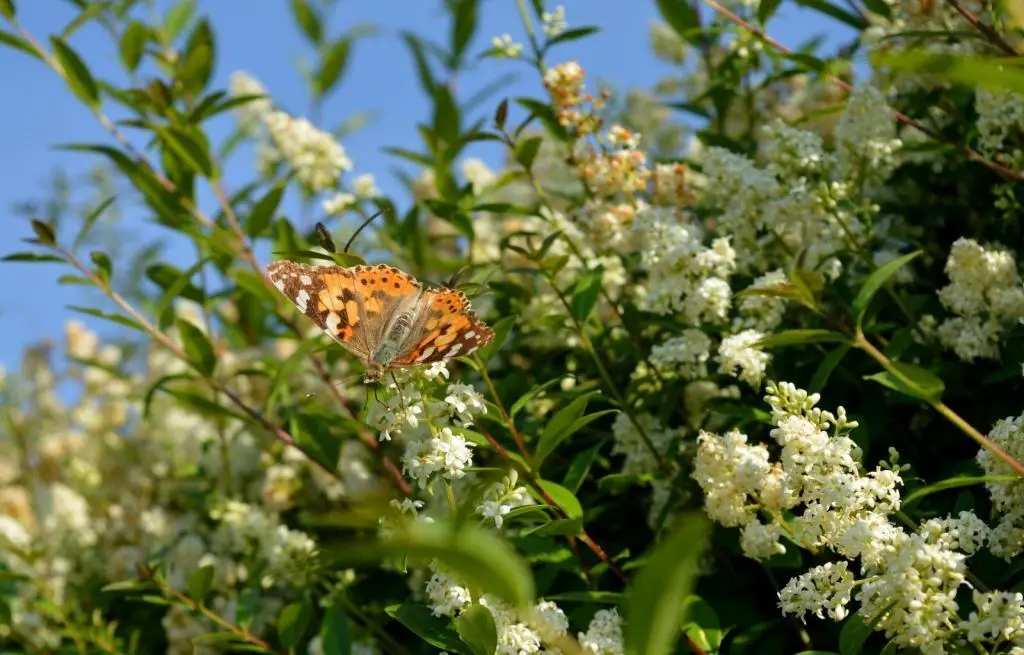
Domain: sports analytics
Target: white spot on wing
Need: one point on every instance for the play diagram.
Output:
(306, 280)
(280, 285)
(469, 335)
(454, 350)
(426, 353)
(301, 300)
(332, 322)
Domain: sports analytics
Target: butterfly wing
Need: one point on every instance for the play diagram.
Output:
(330, 296)
(445, 327)
(386, 294)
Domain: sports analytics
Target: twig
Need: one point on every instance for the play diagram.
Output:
(993, 36)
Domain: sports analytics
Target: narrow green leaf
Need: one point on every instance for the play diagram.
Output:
(200, 583)
(478, 556)
(682, 17)
(579, 467)
(431, 629)
(307, 20)
(90, 220)
(102, 262)
(292, 623)
(198, 348)
(7, 9)
(585, 294)
(175, 284)
(766, 9)
(912, 380)
(18, 43)
(198, 58)
(262, 213)
(133, 44)
(530, 395)
(827, 365)
(856, 631)
(799, 337)
(566, 422)
(191, 148)
(335, 633)
(526, 151)
(600, 597)
(113, 318)
(31, 257)
(876, 281)
(701, 624)
(573, 35)
(76, 73)
(178, 17)
(465, 25)
(916, 496)
(833, 11)
(657, 592)
(476, 628)
(335, 61)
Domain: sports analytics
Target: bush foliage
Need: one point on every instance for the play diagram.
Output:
(755, 384)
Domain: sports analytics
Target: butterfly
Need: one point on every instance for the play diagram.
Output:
(381, 315)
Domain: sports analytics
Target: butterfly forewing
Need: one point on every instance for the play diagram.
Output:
(329, 296)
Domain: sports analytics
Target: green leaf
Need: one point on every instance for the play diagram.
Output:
(334, 62)
(476, 628)
(972, 71)
(91, 219)
(18, 43)
(262, 214)
(579, 467)
(766, 9)
(478, 556)
(526, 151)
(531, 394)
(465, 25)
(307, 20)
(431, 629)
(798, 337)
(292, 623)
(601, 597)
(856, 631)
(44, 232)
(566, 422)
(565, 499)
(198, 348)
(335, 633)
(7, 9)
(876, 281)
(657, 592)
(114, 318)
(831, 10)
(573, 35)
(701, 624)
(916, 496)
(827, 365)
(31, 257)
(585, 294)
(912, 380)
(175, 284)
(133, 44)
(197, 60)
(200, 583)
(102, 262)
(76, 73)
(177, 18)
(191, 148)
(501, 329)
(682, 17)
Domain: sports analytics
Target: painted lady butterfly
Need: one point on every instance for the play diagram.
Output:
(382, 315)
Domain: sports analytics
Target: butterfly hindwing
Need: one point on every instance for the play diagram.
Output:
(446, 327)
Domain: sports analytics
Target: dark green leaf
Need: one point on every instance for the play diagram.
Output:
(191, 148)
(262, 213)
(335, 634)
(198, 348)
(911, 380)
(420, 58)
(432, 629)
(7, 9)
(76, 73)
(585, 294)
(798, 337)
(476, 628)
(656, 594)
(133, 44)
(602, 597)
(91, 219)
(307, 20)
(44, 232)
(856, 631)
(197, 60)
(558, 427)
(501, 114)
(200, 583)
(573, 35)
(579, 468)
(531, 394)
(465, 25)
(916, 496)
(682, 17)
(31, 257)
(876, 281)
(564, 499)
(825, 368)
(446, 115)
(292, 623)
(840, 14)
(178, 17)
(102, 263)
(766, 9)
(18, 43)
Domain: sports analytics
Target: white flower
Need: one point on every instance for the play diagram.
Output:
(249, 114)
(506, 47)
(447, 598)
(464, 402)
(604, 634)
(825, 588)
(739, 353)
(554, 21)
(338, 203)
(365, 186)
(446, 453)
(317, 158)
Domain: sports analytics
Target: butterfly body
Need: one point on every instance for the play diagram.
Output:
(381, 315)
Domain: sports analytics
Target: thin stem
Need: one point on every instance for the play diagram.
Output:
(971, 154)
(862, 343)
(989, 33)
(516, 435)
(194, 606)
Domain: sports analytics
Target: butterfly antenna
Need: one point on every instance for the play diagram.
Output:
(360, 229)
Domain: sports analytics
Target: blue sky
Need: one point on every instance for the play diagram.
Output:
(39, 112)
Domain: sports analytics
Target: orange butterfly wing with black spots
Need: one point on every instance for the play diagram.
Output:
(446, 328)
